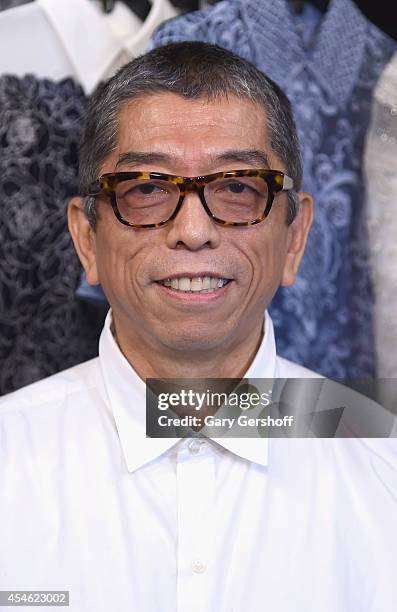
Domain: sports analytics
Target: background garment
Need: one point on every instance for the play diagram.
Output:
(43, 327)
(381, 175)
(57, 39)
(325, 320)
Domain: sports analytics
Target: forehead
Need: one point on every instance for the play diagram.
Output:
(191, 129)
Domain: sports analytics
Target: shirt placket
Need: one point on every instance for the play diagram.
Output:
(196, 535)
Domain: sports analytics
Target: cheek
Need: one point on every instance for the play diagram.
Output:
(118, 257)
(266, 254)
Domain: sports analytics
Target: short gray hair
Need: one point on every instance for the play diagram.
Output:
(193, 70)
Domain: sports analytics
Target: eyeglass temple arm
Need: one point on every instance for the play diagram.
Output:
(94, 189)
(288, 183)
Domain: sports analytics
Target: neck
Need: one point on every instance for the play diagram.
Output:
(161, 362)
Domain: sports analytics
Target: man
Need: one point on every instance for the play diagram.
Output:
(190, 218)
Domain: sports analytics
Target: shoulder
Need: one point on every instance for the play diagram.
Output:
(290, 369)
(44, 422)
(381, 450)
(50, 393)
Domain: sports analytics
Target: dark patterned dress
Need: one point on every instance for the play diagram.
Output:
(44, 327)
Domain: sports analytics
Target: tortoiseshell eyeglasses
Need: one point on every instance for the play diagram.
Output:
(152, 199)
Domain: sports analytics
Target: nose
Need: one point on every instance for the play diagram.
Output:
(192, 228)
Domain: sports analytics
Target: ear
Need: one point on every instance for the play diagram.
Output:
(84, 238)
(298, 233)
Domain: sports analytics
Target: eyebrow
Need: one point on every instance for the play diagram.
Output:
(137, 157)
(253, 157)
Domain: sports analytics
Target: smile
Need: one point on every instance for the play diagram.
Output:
(196, 284)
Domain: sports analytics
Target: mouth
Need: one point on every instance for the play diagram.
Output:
(195, 284)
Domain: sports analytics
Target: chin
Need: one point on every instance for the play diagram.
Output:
(195, 341)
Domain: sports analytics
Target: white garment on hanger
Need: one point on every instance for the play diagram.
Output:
(161, 11)
(381, 176)
(56, 39)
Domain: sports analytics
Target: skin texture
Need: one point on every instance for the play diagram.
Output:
(163, 335)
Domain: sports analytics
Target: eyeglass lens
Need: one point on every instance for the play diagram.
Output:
(237, 199)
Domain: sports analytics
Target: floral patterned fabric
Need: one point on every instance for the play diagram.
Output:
(325, 320)
(44, 328)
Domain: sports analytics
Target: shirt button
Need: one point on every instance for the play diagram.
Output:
(198, 566)
(194, 447)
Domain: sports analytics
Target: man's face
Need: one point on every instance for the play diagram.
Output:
(170, 134)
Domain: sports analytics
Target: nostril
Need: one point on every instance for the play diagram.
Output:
(181, 244)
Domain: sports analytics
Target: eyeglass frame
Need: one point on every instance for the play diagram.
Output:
(276, 180)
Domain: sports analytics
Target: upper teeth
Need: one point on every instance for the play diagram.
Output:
(196, 283)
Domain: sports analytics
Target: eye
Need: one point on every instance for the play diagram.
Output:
(238, 187)
(234, 187)
(146, 189)
(136, 190)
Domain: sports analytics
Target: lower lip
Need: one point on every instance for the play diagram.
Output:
(194, 297)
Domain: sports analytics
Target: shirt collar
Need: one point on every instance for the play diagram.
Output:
(126, 394)
(338, 48)
(97, 44)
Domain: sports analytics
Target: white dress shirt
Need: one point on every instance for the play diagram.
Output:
(129, 523)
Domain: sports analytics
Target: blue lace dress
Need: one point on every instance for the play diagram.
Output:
(325, 320)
